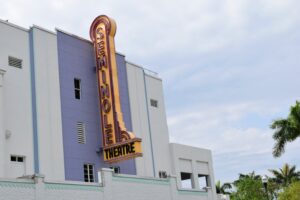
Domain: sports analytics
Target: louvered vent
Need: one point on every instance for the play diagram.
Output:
(81, 133)
(14, 62)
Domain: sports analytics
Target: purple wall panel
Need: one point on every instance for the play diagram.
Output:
(76, 60)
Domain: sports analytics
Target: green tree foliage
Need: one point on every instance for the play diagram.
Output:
(273, 188)
(285, 184)
(291, 193)
(251, 175)
(286, 130)
(223, 189)
(286, 174)
(249, 188)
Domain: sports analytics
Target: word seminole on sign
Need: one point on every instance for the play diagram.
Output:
(118, 143)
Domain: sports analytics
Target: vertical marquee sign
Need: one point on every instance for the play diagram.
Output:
(118, 143)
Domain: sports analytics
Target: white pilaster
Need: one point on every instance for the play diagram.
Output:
(2, 136)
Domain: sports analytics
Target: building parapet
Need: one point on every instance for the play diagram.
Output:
(13, 25)
(146, 71)
(114, 186)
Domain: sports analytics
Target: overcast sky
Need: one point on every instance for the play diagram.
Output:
(229, 67)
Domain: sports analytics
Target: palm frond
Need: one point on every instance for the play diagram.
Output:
(286, 174)
(278, 148)
(286, 130)
(295, 113)
(226, 186)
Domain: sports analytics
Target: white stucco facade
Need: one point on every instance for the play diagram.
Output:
(16, 129)
(112, 186)
(158, 124)
(197, 162)
(140, 118)
(48, 107)
(2, 136)
(148, 122)
(16, 103)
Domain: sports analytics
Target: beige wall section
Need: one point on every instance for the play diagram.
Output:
(193, 160)
(49, 125)
(139, 116)
(16, 96)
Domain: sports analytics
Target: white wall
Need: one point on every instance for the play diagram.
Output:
(149, 123)
(193, 160)
(16, 103)
(2, 136)
(139, 117)
(113, 187)
(48, 104)
(17, 109)
(158, 124)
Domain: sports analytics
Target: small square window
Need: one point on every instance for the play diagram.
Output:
(17, 158)
(13, 158)
(203, 181)
(186, 180)
(154, 103)
(20, 159)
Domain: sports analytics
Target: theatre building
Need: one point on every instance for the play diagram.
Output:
(80, 121)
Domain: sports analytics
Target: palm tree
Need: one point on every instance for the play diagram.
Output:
(251, 175)
(221, 189)
(286, 130)
(286, 174)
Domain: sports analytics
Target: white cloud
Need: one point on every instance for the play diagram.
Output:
(201, 126)
(236, 149)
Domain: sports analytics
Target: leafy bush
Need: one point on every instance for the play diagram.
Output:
(292, 192)
(249, 189)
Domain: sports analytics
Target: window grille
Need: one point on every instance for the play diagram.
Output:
(14, 62)
(88, 170)
(81, 133)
